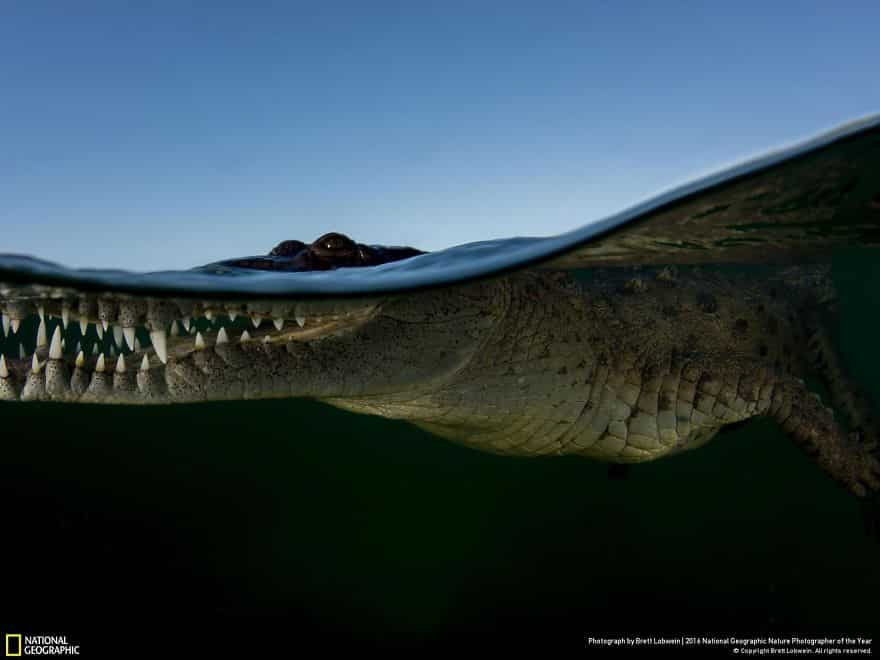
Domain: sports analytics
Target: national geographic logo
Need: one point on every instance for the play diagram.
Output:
(18, 645)
(13, 645)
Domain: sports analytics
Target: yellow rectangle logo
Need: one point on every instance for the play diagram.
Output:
(13, 645)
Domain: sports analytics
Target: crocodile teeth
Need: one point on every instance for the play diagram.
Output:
(160, 344)
(279, 323)
(145, 364)
(99, 328)
(65, 316)
(120, 365)
(105, 324)
(21, 353)
(185, 324)
(118, 335)
(5, 320)
(4, 372)
(94, 349)
(99, 365)
(232, 314)
(244, 337)
(80, 360)
(55, 349)
(36, 365)
(300, 319)
(256, 320)
(137, 345)
(41, 312)
(14, 324)
(111, 351)
(222, 337)
(41, 334)
(128, 334)
(209, 314)
(200, 342)
(83, 327)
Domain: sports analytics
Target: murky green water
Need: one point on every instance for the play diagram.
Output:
(360, 527)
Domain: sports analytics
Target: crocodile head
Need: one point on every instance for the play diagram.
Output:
(70, 343)
(330, 251)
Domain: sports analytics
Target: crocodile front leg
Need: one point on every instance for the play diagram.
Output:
(813, 428)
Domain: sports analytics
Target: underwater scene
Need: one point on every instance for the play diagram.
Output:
(661, 422)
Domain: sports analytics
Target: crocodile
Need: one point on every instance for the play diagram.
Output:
(617, 363)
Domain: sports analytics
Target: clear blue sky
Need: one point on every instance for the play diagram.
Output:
(188, 132)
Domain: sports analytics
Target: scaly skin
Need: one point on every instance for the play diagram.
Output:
(620, 369)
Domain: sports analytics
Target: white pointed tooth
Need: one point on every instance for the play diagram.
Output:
(128, 334)
(244, 337)
(41, 312)
(83, 327)
(111, 351)
(256, 320)
(55, 349)
(80, 360)
(36, 365)
(222, 337)
(63, 345)
(174, 331)
(209, 314)
(160, 344)
(78, 348)
(5, 320)
(193, 330)
(4, 372)
(99, 328)
(94, 349)
(105, 324)
(279, 323)
(41, 334)
(99, 365)
(267, 339)
(137, 345)
(118, 335)
(21, 353)
(232, 314)
(120, 364)
(185, 323)
(145, 364)
(300, 319)
(65, 316)
(14, 324)
(200, 342)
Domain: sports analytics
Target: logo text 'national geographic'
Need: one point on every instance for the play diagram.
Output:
(18, 645)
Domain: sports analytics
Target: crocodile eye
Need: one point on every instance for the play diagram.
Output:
(334, 244)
